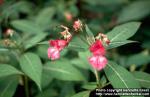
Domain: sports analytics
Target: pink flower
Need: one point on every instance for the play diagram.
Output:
(77, 25)
(56, 46)
(68, 16)
(9, 32)
(59, 44)
(97, 48)
(98, 62)
(53, 53)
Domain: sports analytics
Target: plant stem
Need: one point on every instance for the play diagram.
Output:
(98, 79)
(26, 86)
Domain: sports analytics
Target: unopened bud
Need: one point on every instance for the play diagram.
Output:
(9, 32)
(68, 16)
(77, 25)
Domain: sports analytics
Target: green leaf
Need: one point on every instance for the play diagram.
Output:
(82, 61)
(105, 2)
(67, 89)
(78, 44)
(88, 31)
(83, 56)
(46, 79)
(31, 65)
(3, 49)
(34, 40)
(44, 42)
(138, 59)
(8, 86)
(119, 43)
(44, 17)
(26, 26)
(135, 11)
(90, 35)
(25, 7)
(63, 70)
(90, 86)
(143, 78)
(16, 8)
(82, 94)
(123, 32)
(47, 93)
(42, 51)
(6, 70)
(120, 77)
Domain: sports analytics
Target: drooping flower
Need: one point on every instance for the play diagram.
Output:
(59, 44)
(77, 25)
(98, 61)
(97, 48)
(55, 49)
(66, 34)
(53, 53)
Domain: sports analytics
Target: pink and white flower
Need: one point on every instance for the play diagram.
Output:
(98, 62)
(53, 53)
(55, 49)
(59, 44)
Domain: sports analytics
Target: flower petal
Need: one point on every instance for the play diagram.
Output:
(97, 48)
(98, 62)
(53, 53)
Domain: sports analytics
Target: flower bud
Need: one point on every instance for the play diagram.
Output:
(77, 25)
(68, 16)
(9, 32)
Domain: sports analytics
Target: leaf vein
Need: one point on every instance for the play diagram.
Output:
(31, 66)
(119, 76)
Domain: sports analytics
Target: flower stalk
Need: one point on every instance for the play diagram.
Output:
(26, 86)
(97, 79)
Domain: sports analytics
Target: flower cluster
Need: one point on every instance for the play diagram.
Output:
(98, 60)
(56, 46)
